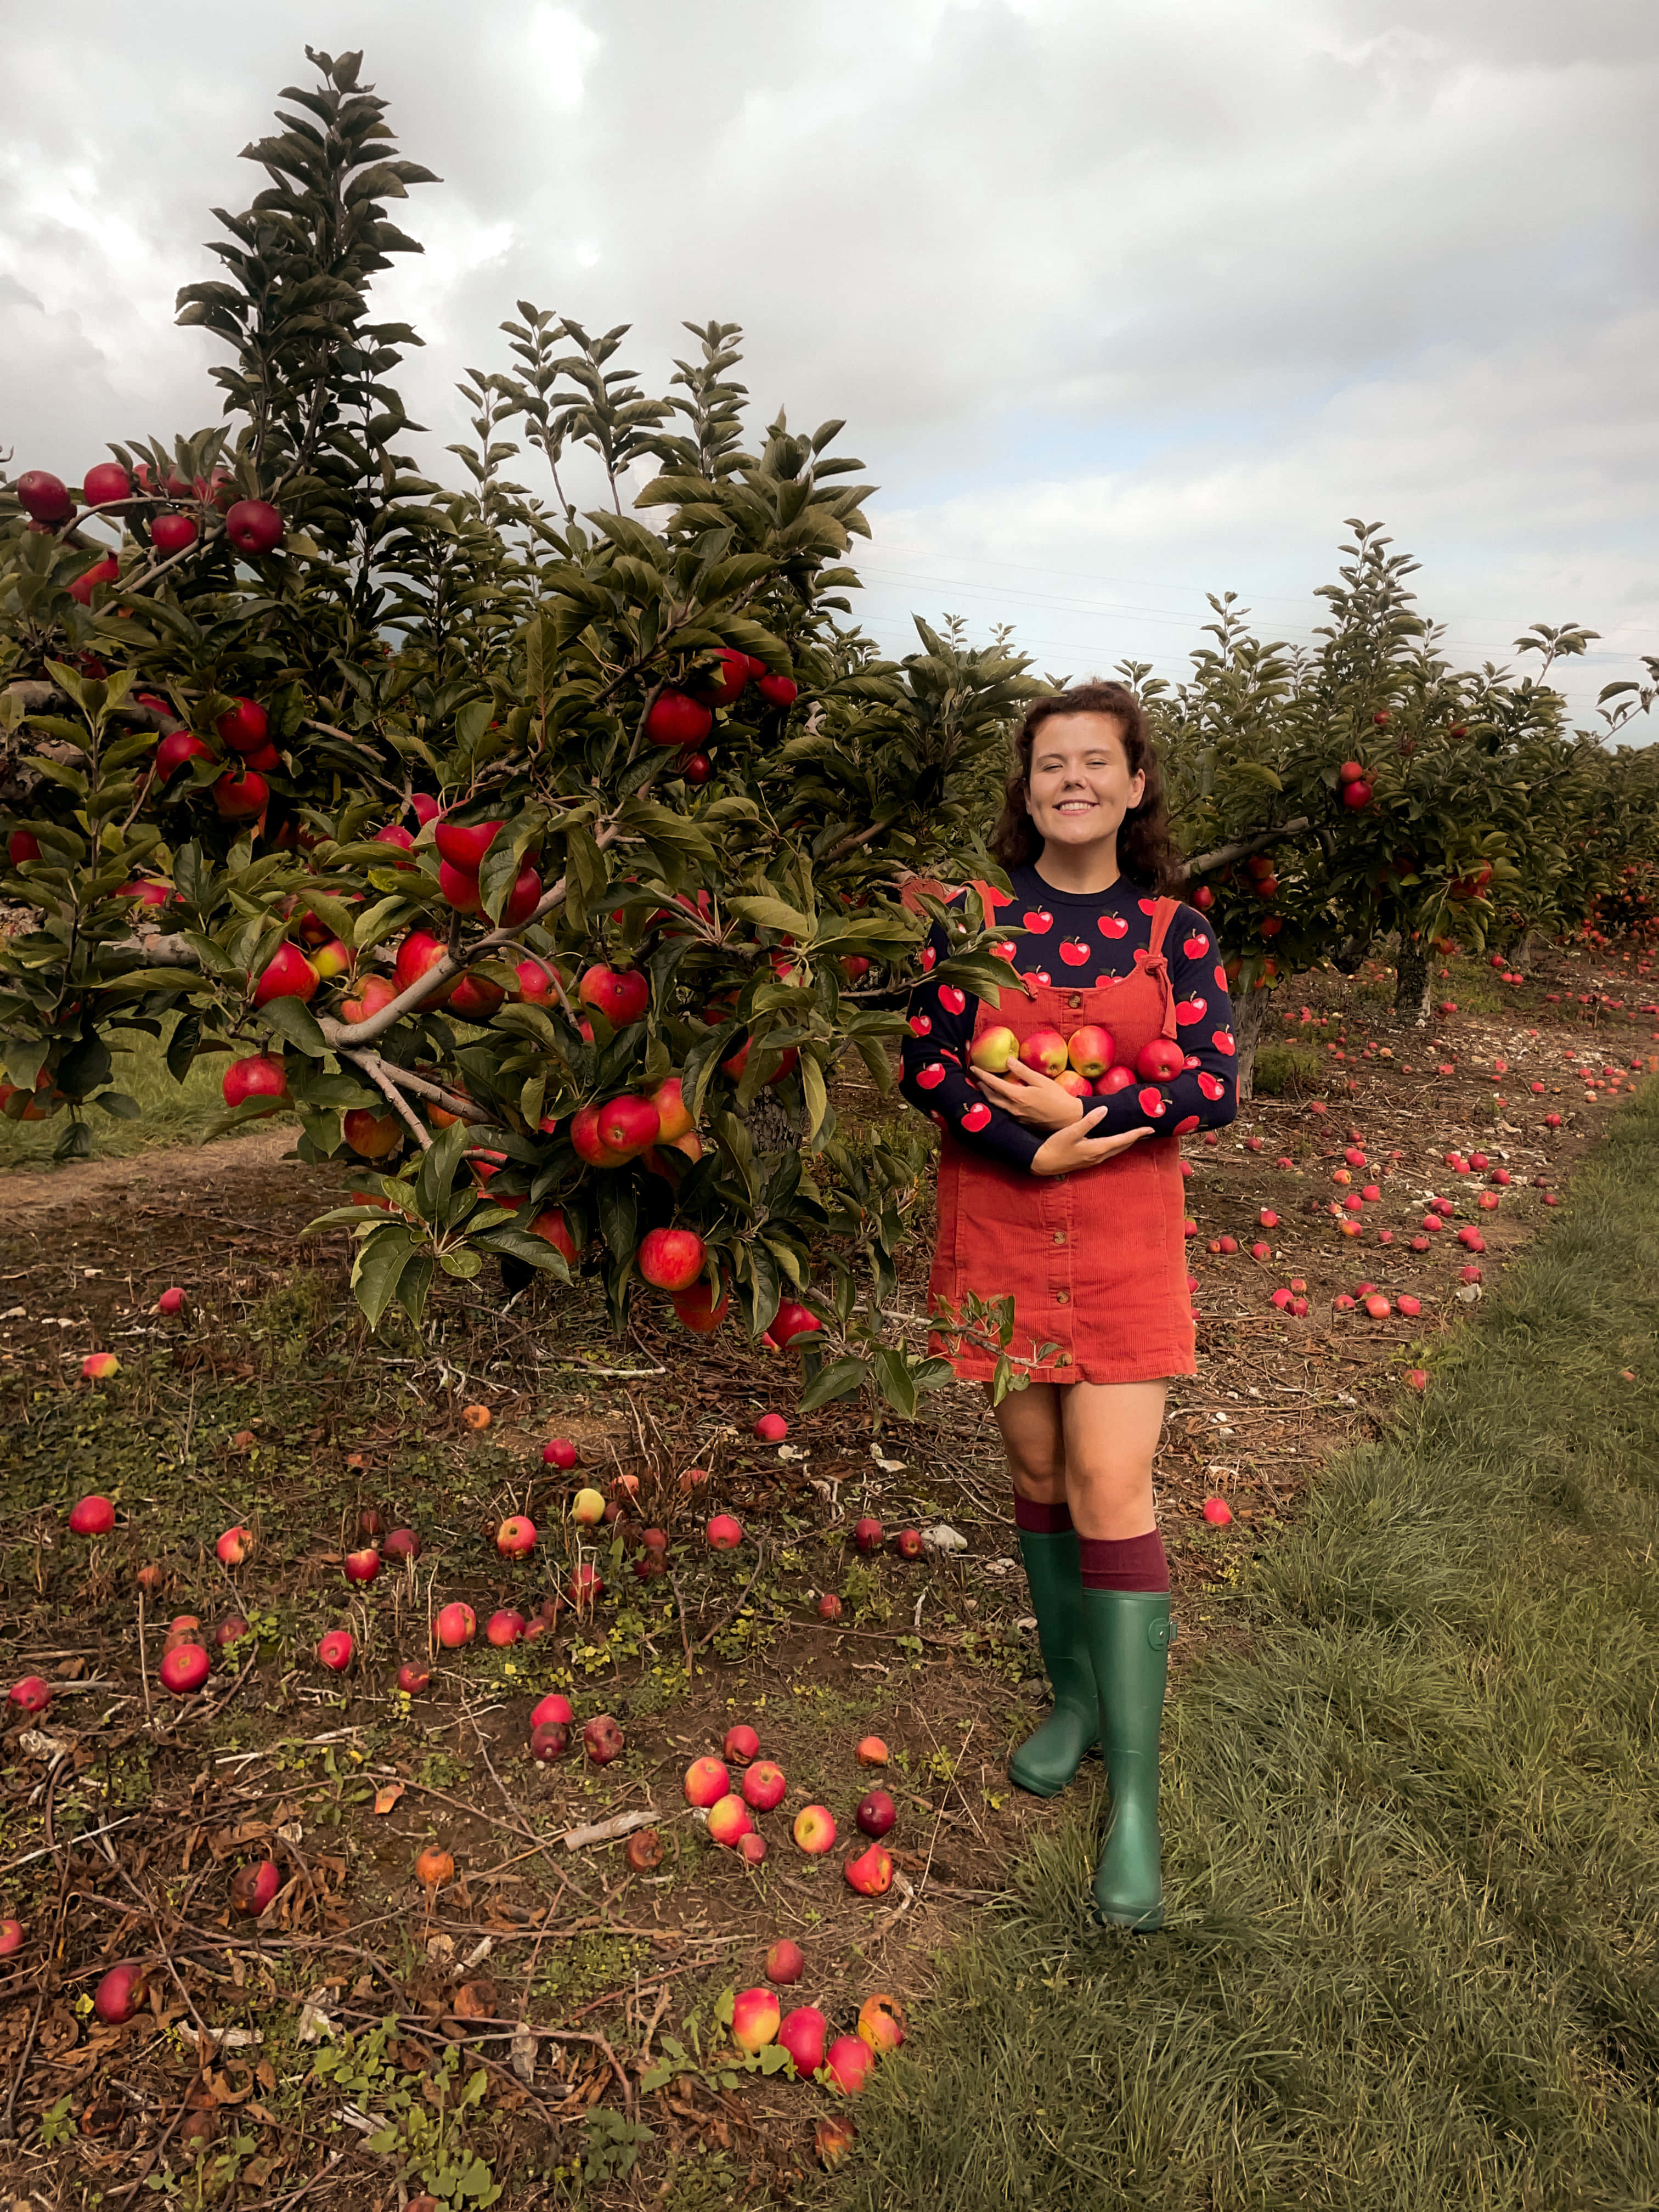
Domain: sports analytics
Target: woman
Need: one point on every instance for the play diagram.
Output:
(1074, 1206)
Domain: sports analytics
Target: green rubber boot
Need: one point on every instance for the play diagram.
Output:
(1129, 1636)
(1051, 1755)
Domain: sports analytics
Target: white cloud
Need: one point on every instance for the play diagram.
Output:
(1121, 304)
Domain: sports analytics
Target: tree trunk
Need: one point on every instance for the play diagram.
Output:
(1410, 990)
(1249, 1027)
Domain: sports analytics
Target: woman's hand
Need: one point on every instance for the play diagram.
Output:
(1073, 1147)
(1030, 1095)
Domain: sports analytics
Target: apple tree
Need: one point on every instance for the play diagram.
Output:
(546, 863)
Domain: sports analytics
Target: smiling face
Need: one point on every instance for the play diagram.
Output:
(1079, 787)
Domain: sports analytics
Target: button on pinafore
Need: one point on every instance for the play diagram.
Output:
(1096, 1260)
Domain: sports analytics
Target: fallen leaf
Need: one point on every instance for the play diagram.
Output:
(388, 1796)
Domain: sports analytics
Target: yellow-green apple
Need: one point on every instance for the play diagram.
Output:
(849, 2061)
(456, 1624)
(881, 2023)
(1045, 1049)
(707, 1782)
(755, 2016)
(587, 1508)
(331, 959)
(814, 1829)
(728, 1819)
(764, 1786)
(786, 1961)
(802, 2033)
(871, 1872)
(99, 1367)
(993, 1049)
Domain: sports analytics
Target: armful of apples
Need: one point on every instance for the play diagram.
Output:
(1030, 1095)
(1040, 1103)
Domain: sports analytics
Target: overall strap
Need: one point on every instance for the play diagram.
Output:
(1162, 915)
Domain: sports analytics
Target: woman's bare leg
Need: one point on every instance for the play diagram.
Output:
(1108, 1439)
(1032, 1436)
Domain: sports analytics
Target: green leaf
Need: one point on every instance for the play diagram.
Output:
(775, 914)
(838, 1380)
(378, 1268)
(297, 1023)
(816, 1096)
(118, 1106)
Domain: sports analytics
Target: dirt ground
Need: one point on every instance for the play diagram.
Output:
(553, 1968)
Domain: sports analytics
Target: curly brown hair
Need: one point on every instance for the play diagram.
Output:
(1145, 849)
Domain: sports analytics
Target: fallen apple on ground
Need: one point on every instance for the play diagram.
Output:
(786, 1961)
(755, 2019)
(814, 1829)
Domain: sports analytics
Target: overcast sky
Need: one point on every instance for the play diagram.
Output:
(1124, 300)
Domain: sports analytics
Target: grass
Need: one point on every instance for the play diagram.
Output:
(1412, 1837)
(1288, 1070)
(173, 1113)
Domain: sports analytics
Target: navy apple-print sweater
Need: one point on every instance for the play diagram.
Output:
(1073, 938)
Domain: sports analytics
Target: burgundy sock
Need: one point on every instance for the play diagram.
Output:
(1132, 1562)
(1042, 1520)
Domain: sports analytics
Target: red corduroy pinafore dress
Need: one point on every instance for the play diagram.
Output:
(1096, 1260)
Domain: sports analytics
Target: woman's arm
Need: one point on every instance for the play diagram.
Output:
(935, 1061)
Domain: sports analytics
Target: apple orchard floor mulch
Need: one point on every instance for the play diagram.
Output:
(560, 1972)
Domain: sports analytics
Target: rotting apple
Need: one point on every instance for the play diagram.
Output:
(602, 1739)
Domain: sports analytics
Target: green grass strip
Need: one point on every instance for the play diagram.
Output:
(1411, 1840)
